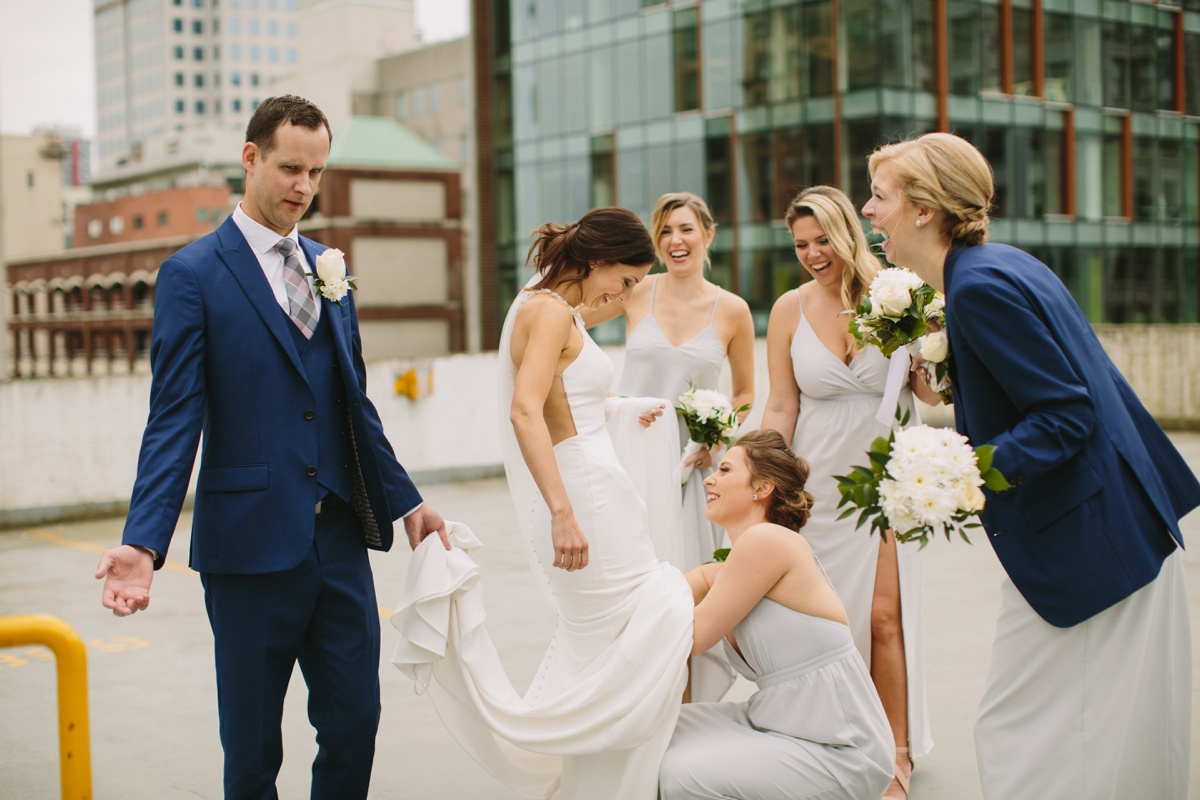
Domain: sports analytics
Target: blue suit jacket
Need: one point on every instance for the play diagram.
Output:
(225, 363)
(1099, 488)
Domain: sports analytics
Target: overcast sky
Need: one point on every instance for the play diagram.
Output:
(47, 72)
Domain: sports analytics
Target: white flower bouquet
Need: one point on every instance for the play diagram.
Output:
(331, 279)
(894, 312)
(920, 481)
(711, 420)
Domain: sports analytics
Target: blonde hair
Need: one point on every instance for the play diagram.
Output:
(945, 173)
(837, 217)
(667, 204)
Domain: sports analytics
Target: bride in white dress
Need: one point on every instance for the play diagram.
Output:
(825, 398)
(600, 711)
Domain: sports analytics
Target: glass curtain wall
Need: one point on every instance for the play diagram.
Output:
(1088, 111)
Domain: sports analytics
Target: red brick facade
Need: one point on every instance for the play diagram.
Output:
(186, 211)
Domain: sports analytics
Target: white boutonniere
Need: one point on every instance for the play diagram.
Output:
(331, 279)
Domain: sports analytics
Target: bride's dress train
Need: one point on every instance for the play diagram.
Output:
(602, 706)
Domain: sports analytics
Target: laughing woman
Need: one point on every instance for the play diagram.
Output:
(815, 728)
(680, 327)
(824, 397)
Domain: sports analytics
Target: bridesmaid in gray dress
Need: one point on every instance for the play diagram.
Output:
(680, 326)
(816, 727)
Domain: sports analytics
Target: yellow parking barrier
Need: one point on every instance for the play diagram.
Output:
(75, 757)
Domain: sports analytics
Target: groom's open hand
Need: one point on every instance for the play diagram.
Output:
(127, 572)
(425, 522)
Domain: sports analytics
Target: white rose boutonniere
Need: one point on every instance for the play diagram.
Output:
(331, 279)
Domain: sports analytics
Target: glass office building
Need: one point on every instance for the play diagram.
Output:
(1088, 110)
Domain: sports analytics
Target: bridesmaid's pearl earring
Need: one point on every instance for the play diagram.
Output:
(755, 497)
(920, 223)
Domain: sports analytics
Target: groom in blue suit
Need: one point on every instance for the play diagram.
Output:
(296, 481)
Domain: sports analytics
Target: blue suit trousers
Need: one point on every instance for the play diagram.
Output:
(323, 614)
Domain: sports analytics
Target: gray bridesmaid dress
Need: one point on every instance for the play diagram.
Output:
(814, 729)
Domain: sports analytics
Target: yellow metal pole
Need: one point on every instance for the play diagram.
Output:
(74, 743)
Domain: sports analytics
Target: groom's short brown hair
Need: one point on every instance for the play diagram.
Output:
(276, 111)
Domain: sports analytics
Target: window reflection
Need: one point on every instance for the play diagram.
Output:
(1143, 59)
(1191, 73)
(604, 171)
(718, 169)
(1114, 168)
(1088, 47)
(771, 62)
(1144, 151)
(686, 40)
(1116, 64)
(1023, 44)
(756, 170)
(1089, 175)
(859, 29)
(1055, 164)
(963, 27)
(1028, 196)
(1060, 56)
(818, 49)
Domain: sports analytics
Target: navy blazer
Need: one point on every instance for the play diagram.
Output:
(1098, 487)
(225, 363)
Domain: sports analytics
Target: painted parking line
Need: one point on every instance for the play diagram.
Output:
(76, 544)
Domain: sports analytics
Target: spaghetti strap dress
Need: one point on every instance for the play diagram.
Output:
(835, 428)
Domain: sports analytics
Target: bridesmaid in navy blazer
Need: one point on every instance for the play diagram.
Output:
(1088, 694)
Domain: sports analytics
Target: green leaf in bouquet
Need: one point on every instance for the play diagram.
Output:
(720, 554)
(882, 445)
(863, 473)
(995, 481)
(983, 457)
(865, 515)
(848, 512)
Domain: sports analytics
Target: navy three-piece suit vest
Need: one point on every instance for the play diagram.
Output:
(324, 378)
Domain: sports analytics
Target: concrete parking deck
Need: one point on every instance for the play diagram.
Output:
(153, 694)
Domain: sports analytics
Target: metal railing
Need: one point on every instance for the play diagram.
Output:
(74, 742)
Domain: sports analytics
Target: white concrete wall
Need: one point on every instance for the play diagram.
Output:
(69, 446)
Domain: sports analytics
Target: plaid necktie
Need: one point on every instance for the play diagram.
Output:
(301, 306)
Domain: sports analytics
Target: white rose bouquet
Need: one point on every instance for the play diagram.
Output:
(921, 481)
(331, 279)
(894, 312)
(711, 420)
(934, 347)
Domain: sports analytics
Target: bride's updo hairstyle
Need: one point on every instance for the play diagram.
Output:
(602, 237)
(770, 459)
(946, 173)
(840, 221)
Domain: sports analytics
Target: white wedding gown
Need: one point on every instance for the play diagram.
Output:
(602, 706)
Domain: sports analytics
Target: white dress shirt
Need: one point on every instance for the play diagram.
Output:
(262, 241)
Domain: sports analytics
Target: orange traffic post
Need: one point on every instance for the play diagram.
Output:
(75, 755)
